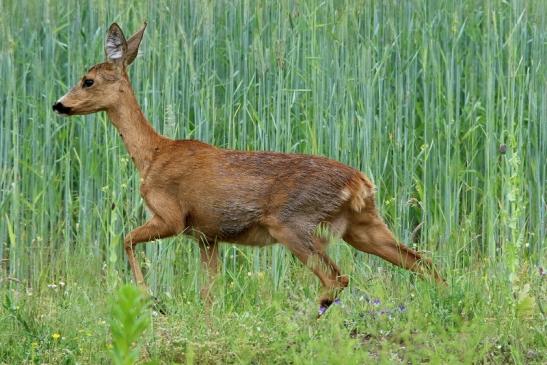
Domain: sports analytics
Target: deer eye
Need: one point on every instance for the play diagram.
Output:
(88, 82)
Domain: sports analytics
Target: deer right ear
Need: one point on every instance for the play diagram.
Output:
(116, 45)
(133, 44)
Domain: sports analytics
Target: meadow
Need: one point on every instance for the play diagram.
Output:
(442, 103)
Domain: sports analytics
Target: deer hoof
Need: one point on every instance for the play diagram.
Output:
(325, 304)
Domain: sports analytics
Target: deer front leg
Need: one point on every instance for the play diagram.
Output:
(155, 228)
(167, 221)
(209, 263)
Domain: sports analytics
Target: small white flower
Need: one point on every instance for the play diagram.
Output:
(52, 286)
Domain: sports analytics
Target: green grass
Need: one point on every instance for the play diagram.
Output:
(419, 95)
(475, 320)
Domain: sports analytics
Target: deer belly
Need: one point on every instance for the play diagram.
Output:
(229, 230)
(253, 236)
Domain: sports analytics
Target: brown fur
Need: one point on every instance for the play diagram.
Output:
(250, 198)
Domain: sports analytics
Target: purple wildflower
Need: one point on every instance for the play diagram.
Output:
(322, 310)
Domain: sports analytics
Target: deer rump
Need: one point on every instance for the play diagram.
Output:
(234, 196)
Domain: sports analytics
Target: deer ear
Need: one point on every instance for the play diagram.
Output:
(133, 44)
(116, 46)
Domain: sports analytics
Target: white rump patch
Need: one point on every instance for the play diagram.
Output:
(345, 194)
(361, 190)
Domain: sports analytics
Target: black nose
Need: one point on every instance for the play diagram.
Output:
(61, 109)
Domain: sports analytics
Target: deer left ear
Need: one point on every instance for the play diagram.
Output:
(116, 45)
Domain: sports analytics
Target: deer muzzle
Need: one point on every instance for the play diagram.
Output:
(59, 108)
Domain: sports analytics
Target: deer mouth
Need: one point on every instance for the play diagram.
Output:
(60, 109)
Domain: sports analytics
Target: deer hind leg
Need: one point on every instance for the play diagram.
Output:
(309, 250)
(373, 236)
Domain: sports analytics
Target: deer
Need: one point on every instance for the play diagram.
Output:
(220, 195)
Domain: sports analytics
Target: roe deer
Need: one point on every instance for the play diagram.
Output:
(250, 198)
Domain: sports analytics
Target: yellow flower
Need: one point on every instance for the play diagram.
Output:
(56, 336)
(34, 345)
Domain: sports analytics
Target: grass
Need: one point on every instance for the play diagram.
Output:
(441, 103)
(385, 318)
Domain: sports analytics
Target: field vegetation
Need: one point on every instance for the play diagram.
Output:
(442, 103)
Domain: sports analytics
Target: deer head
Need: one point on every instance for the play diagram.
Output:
(101, 86)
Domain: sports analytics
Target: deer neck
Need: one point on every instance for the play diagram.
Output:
(138, 135)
